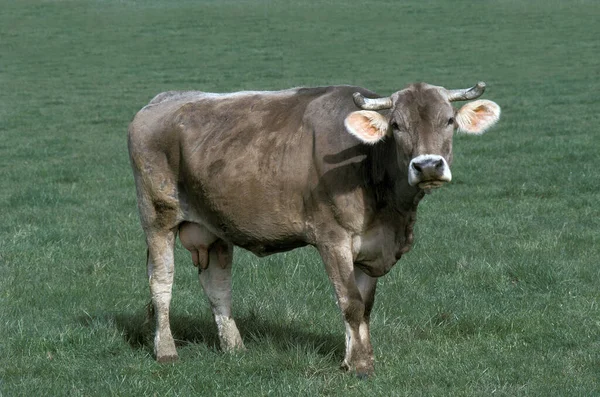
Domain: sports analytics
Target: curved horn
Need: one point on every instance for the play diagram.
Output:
(466, 94)
(371, 103)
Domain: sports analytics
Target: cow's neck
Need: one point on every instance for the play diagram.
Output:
(390, 181)
(395, 198)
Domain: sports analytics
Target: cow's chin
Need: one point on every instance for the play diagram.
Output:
(428, 185)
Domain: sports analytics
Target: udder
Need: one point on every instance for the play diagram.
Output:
(196, 239)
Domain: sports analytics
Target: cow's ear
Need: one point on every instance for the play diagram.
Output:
(478, 116)
(366, 125)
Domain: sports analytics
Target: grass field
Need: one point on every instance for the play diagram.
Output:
(499, 296)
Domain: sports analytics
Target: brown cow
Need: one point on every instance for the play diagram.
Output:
(338, 168)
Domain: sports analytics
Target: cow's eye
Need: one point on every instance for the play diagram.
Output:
(451, 121)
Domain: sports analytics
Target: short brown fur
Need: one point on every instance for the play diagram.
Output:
(272, 171)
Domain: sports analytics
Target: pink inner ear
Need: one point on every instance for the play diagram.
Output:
(478, 116)
(363, 126)
(484, 117)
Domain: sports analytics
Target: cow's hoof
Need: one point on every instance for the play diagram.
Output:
(365, 375)
(169, 358)
(345, 367)
(235, 348)
(164, 348)
(363, 372)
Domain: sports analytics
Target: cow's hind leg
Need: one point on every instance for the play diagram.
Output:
(159, 206)
(160, 274)
(216, 282)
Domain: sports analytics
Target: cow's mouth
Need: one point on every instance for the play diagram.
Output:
(434, 184)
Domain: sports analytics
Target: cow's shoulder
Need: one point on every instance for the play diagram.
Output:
(335, 102)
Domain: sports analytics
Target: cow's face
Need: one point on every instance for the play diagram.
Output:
(422, 121)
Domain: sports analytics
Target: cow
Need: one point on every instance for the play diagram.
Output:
(339, 168)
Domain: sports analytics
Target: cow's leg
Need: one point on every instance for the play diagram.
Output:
(216, 282)
(159, 207)
(160, 274)
(367, 286)
(355, 309)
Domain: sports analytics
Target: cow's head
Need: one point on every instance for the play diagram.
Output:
(422, 122)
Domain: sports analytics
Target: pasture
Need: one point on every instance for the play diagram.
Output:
(500, 294)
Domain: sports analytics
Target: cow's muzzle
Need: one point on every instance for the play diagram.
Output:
(428, 171)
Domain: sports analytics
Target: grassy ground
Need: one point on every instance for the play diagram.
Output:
(500, 295)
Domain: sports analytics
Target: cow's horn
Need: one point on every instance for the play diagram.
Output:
(371, 103)
(466, 94)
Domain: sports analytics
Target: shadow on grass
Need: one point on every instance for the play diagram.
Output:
(138, 331)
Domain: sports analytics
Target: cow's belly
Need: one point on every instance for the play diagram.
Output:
(273, 247)
(261, 229)
(197, 239)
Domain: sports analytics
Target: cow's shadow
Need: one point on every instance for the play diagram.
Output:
(138, 332)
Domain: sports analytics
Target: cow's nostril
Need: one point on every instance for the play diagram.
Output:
(428, 171)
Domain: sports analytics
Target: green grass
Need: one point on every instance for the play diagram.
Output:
(499, 296)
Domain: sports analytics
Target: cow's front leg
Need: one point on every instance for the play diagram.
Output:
(355, 299)
(160, 274)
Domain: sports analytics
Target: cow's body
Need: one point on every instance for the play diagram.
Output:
(273, 171)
